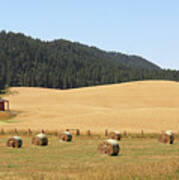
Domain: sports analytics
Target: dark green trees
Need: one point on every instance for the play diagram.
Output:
(63, 64)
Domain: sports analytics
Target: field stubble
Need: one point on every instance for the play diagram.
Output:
(139, 158)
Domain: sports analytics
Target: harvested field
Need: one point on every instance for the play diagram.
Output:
(79, 160)
(148, 105)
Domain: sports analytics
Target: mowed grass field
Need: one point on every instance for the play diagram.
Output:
(149, 105)
(139, 158)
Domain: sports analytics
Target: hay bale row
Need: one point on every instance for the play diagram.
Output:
(40, 140)
(108, 147)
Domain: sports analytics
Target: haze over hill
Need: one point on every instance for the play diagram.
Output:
(148, 105)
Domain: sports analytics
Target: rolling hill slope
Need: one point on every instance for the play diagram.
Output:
(149, 105)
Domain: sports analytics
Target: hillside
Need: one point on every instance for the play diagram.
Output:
(133, 61)
(148, 105)
(62, 64)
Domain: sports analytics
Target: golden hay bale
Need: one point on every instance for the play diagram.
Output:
(15, 142)
(115, 135)
(40, 140)
(167, 137)
(109, 147)
(65, 136)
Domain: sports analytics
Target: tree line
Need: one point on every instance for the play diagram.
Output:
(25, 61)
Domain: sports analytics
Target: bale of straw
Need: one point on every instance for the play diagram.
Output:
(65, 136)
(109, 147)
(167, 137)
(40, 140)
(15, 142)
(115, 135)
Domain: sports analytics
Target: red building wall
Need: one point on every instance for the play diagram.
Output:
(2, 106)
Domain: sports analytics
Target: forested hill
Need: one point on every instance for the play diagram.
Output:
(133, 61)
(62, 64)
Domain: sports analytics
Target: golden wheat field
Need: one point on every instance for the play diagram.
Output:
(149, 105)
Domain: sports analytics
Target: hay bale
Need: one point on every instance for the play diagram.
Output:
(65, 136)
(109, 147)
(15, 142)
(167, 137)
(40, 140)
(115, 135)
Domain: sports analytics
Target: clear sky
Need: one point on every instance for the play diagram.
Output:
(149, 28)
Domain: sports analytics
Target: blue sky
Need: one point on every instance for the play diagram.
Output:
(149, 28)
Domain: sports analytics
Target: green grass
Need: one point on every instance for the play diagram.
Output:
(138, 159)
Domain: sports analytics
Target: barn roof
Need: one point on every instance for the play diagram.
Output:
(3, 100)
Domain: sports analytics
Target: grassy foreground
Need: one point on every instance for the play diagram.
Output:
(139, 158)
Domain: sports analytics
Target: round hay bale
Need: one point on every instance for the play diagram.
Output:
(65, 136)
(40, 140)
(109, 147)
(15, 142)
(115, 135)
(167, 137)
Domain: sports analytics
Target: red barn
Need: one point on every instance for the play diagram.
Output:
(2, 104)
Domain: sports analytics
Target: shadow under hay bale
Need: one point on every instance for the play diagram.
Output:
(109, 147)
(15, 142)
(65, 136)
(115, 135)
(167, 137)
(40, 140)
